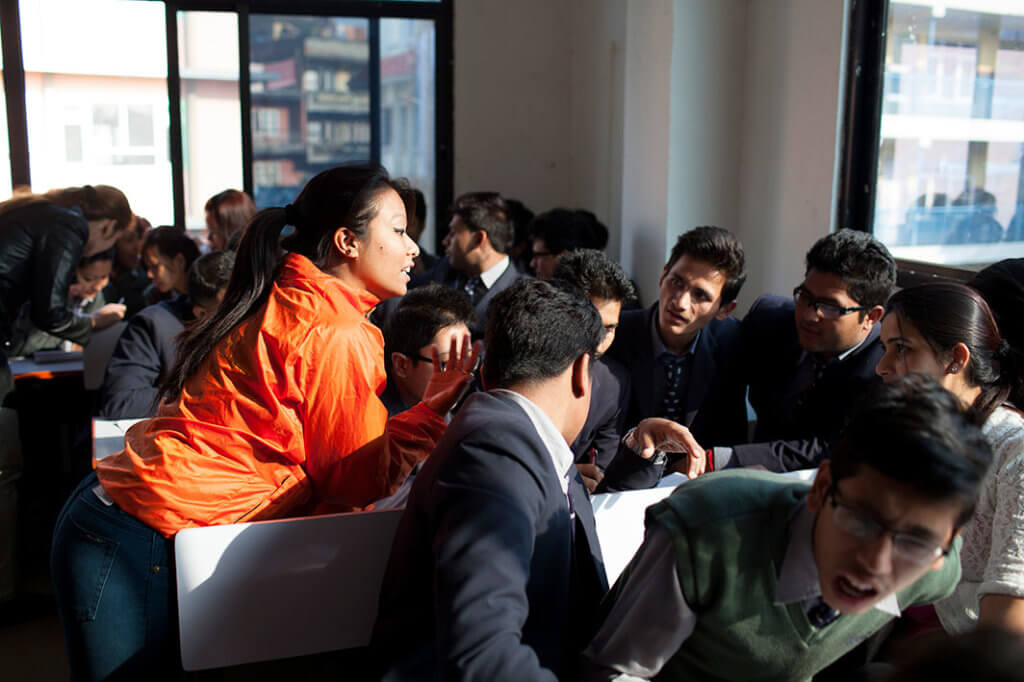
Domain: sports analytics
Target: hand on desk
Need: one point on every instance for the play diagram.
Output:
(654, 434)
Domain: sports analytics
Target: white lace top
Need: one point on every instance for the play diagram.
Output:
(992, 557)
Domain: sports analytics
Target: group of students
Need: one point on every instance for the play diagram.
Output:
(285, 399)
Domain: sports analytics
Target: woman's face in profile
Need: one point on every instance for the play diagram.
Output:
(386, 252)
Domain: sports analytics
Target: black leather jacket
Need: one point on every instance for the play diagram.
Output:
(40, 245)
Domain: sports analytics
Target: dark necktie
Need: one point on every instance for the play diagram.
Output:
(817, 371)
(672, 402)
(475, 289)
(821, 614)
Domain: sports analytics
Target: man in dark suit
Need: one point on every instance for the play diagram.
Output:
(606, 285)
(808, 358)
(479, 235)
(496, 572)
(681, 354)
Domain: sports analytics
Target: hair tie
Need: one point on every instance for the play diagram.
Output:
(291, 215)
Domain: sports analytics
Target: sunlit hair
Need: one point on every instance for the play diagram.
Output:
(96, 203)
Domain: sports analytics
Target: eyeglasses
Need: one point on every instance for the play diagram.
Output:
(829, 311)
(417, 356)
(910, 548)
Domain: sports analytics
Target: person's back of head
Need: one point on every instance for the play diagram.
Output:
(959, 329)
(418, 218)
(486, 212)
(860, 261)
(716, 247)
(426, 317)
(227, 213)
(347, 196)
(1002, 286)
(535, 331)
(561, 230)
(595, 231)
(208, 281)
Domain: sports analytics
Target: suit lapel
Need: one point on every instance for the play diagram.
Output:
(702, 369)
(644, 364)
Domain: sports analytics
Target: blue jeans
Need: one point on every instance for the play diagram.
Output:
(115, 592)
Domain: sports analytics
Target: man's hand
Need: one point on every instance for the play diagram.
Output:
(447, 385)
(666, 435)
(591, 475)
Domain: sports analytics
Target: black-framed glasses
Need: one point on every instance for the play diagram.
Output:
(417, 356)
(911, 548)
(829, 311)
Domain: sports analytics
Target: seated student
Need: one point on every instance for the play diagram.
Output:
(425, 320)
(945, 330)
(681, 353)
(475, 260)
(227, 214)
(808, 357)
(607, 286)
(167, 254)
(85, 299)
(495, 571)
(145, 352)
(747, 575)
(555, 233)
(128, 279)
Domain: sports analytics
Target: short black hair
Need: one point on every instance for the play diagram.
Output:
(169, 241)
(420, 210)
(718, 248)
(208, 275)
(535, 330)
(596, 275)
(421, 314)
(99, 257)
(861, 261)
(566, 230)
(914, 431)
(486, 212)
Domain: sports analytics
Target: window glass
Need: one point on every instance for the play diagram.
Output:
(310, 89)
(5, 148)
(407, 107)
(211, 111)
(950, 187)
(96, 98)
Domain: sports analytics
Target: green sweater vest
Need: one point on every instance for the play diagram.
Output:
(730, 534)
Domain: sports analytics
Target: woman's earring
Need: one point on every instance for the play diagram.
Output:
(954, 368)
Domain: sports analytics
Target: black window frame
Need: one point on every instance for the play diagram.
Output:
(441, 13)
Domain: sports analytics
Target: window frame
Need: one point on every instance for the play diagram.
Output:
(440, 12)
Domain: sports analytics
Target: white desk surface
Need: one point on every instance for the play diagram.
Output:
(108, 436)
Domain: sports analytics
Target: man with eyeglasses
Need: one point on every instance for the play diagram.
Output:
(807, 358)
(749, 575)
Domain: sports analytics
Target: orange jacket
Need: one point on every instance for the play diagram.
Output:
(283, 415)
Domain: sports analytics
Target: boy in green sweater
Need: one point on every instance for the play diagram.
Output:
(750, 576)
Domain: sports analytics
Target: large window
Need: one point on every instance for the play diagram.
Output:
(5, 160)
(102, 104)
(950, 187)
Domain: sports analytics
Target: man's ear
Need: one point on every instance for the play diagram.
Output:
(874, 315)
(346, 242)
(478, 239)
(725, 310)
(581, 376)
(819, 489)
(198, 312)
(110, 228)
(401, 364)
(664, 272)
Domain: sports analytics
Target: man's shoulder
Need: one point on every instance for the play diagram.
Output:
(632, 336)
(770, 309)
(441, 272)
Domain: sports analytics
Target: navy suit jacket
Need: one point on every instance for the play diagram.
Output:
(489, 577)
(787, 439)
(143, 355)
(609, 399)
(714, 409)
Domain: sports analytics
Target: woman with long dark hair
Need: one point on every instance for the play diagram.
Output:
(947, 331)
(271, 410)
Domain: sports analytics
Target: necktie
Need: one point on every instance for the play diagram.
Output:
(475, 289)
(817, 371)
(672, 402)
(821, 614)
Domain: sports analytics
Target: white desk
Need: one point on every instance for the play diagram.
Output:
(108, 436)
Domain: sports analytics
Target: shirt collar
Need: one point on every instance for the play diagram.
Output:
(558, 449)
(491, 274)
(659, 346)
(798, 577)
(804, 355)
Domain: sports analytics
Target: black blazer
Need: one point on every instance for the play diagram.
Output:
(482, 582)
(609, 399)
(445, 274)
(787, 439)
(143, 355)
(714, 408)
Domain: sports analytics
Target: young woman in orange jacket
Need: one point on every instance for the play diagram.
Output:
(270, 411)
